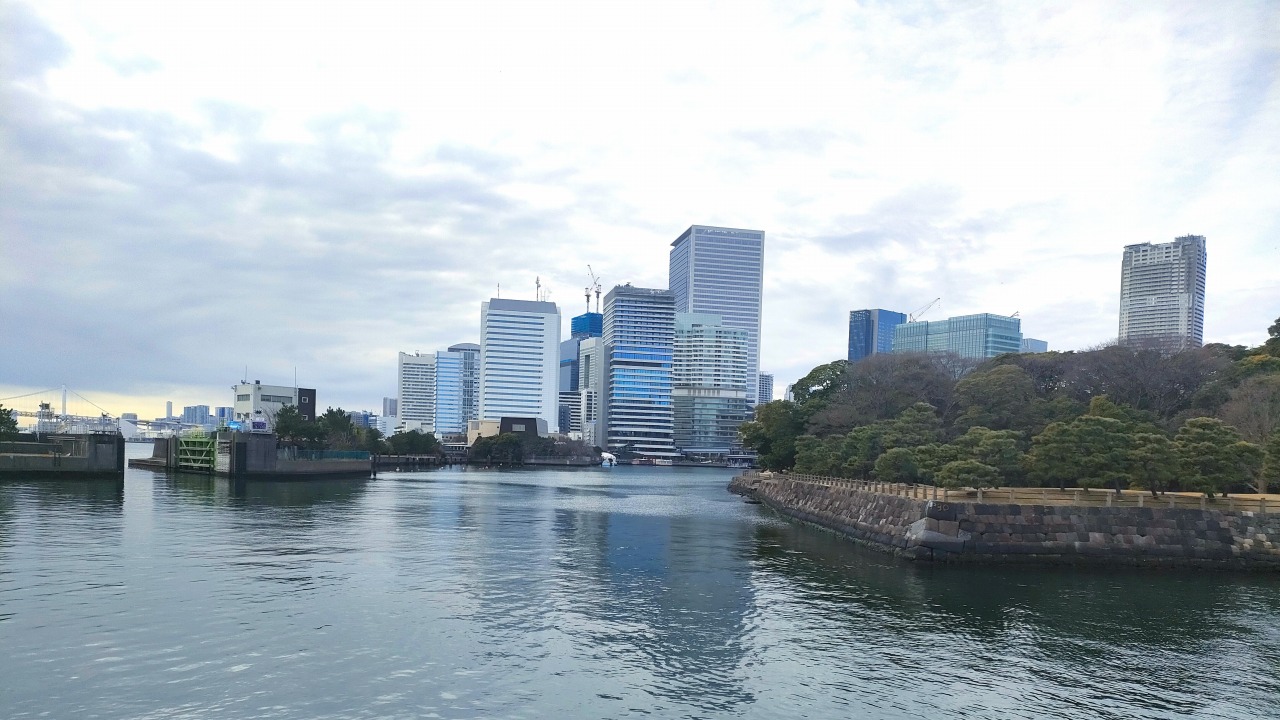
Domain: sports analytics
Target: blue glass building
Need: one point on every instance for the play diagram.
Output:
(974, 336)
(587, 325)
(871, 332)
(639, 345)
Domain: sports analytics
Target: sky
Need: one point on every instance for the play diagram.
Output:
(196, 193)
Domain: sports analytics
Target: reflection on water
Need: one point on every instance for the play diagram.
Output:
(636, 591)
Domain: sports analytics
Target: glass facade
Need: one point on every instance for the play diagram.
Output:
(709, 384)
(639, 338)
(587, 325)
(974, 336)
(871, 332)
(456, 384)
(720, 271)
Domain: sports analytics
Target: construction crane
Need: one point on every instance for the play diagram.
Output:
(913, 317)
(595, 285)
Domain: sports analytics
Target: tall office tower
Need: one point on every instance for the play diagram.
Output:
(708, 384)
(591, 389)
(973, 336)
(639, 338)
(721, 271)
(456, 381)
(1032, 345)
(389, 407)
(416, 381)
(1162, 293)
(519, 360)
(765, 393)
(582, 327)
(871, 332)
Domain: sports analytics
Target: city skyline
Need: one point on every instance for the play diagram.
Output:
(176, 208)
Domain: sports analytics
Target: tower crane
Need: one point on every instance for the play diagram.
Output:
(919, 313)
(595, 285)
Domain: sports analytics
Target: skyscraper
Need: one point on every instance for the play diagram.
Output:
(582, 327)
(1032, 345)
(416, 383)
(639, 338)
(591, 377)
(519, 360)
(708, 384)
(871, 332)
(721, 271)
(1162, 293)
(973, 336)
(765, 393)
(456, 380)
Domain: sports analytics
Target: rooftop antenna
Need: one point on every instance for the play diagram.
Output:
(537, 293)
(499, 291)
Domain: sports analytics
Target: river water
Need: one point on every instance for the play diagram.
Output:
(631, 592)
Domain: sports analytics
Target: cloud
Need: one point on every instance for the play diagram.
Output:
(29, 47)
(173, 208)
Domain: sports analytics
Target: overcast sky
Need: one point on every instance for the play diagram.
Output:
(190, 188)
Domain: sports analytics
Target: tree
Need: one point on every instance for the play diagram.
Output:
(968, 473)
(414, 442)
(1213, 456)
(931, 458)
(290, 427)
(772, 434)
(1088, 450)
(898, 465)
(1253, 408)
(8, 423)
(1271, 464)
(880, 387)
(1153, 463)
(339, 429)
(917, 425)
(998, 398)
(1272, 345)
(1000, 449)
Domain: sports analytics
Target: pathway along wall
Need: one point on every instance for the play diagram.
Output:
(934, 531)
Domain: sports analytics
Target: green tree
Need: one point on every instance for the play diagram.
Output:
(897, 465)
(818, 456)
(968, 473)
(1271, 464)
(772, 434)
(931, 458)
(8, 423)
(1000, 449)
(1089, 450)
(999, 398)
(1213, 456)
(1272, 345)
(339, 429)
(293, 429)
(1153, 463)
(917, 425)
(414, 442)
(861, 447)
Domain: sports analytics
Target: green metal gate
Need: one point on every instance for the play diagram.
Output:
(196, 452)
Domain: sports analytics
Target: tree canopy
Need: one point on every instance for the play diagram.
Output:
(1202, 419)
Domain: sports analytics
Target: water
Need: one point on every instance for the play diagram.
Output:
(558, 594)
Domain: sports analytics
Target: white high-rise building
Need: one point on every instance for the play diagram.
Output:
(721, 271)
(1162, 293)
(519, 360)
(639, 340)
(591, 388)
(416, 383)
(765, 393)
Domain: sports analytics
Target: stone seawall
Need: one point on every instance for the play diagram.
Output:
(933, 531)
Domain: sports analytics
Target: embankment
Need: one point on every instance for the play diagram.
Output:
(909, 524)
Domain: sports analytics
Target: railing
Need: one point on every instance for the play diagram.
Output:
(300, 454)
(1033, 496)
